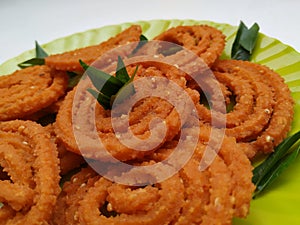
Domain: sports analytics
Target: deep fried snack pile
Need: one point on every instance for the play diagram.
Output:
(212, 196)
(33, 157)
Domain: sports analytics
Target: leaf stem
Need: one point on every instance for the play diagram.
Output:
(279, 160)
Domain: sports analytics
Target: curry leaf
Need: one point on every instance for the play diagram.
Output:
(249, 37)
(279, 167)
(103, 82)
(121, 72)
(39, 51)
(109, 87)
(32, 62)
(244, 42)
(74, 78)
(142, 42)
(39, 59)
(277, 161)
(126, 91)
(101, 98)
(170, 50)
(143, 38)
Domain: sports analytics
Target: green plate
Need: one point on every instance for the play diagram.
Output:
(278, 205)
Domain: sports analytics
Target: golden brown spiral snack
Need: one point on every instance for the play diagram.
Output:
(91, 199)
(205, 41)
(272, 111)
(156, 204)
(31, 187)
(140, 116)
(69, 61)
(263, 110)
(29, 90)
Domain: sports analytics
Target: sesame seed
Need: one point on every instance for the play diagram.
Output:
(192, 209)
(245, 209)
(188, 138)
(217, 202)
(269, 138)
(21, 128)
(123, 116)
(76, 216)
(232, 199)
(237, 68)
(109, 207)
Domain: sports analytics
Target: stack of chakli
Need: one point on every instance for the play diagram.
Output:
(159, 189)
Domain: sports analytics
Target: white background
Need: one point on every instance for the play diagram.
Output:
(23, 21)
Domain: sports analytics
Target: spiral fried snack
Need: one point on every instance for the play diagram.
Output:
(205, 41)
(157, 204)
(79, 104)
(29, 90)
(29, 159)
(263, 110)
(69, 61)
(91, 199)
(217, 188)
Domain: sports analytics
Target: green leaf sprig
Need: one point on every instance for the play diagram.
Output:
(108, 87)
(244, 42)
(40, 55)
(283, 156)
(74, 78)
(170, 50)
(142, 42)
